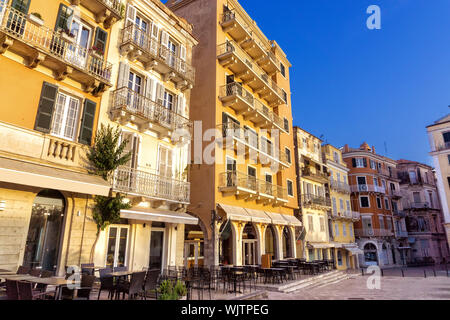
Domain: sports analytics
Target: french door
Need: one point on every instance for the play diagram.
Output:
(140, 34)
(156, 249)
(78, 51)
(172, 53)
(65, 117)
(165, 172)
(249, 252)
(116, 255)
(231, 173)
(135, 98)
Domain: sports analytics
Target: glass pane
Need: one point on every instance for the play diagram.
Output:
(58, 114)
(111, 249)
(72, 114)
(156, 249)
(122, 247)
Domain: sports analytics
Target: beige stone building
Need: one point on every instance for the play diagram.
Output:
(439, 137)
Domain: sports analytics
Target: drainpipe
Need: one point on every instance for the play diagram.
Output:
(70, 232)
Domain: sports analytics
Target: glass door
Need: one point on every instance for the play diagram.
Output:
(249, 252)
(77, 52)
(231, 173)
(140, 35)
(156, 249)
(117, 247)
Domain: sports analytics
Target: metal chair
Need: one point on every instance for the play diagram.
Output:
(12, 291)
(106, 282)
(23, 270)
(25, 290)
(133, 288)
(151, 283)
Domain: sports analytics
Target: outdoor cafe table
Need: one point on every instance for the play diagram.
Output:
(17, 277)
(53, 281)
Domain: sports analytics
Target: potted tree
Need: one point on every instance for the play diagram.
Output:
(168, 291)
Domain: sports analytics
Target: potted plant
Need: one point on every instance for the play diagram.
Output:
(168, 291)
(97, 51)
(67, 35)
(36, 18)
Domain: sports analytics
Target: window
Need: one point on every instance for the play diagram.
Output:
(65, 117)
(373, 165)
(364, 202)
(386, 203)
(350, 229)
(379, 203)
(416, 197)
(448, 159)
(284, 95)
(286, 125)
(339, 257)
(336, 157)
(375, 181)
(288, 155)
(116, 253)
(334, 206)
(322, 224)
(283, 69)
(412, 177)
(169, 100)
(359, 162)
(341, 202)
(348, 205)
(290, 188)
(344, 230)
(311, 223)
(362, 181)
(336, 230)
(381, 220)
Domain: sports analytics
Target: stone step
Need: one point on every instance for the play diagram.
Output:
(333, 278)
(308, 280)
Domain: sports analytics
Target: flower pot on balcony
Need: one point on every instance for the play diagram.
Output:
(35, 20)
(67, 37)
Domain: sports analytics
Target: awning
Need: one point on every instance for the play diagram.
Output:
(292, 221)
(154, 215)
(35, 175)
(353, 250)
(258, 216)
(319, 245)
(236, 213)
(277, 218)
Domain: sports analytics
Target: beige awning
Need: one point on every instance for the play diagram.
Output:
(354, 250)
(277, 218)
(35, 175)
(258, 216)
(235, 213)
(292, 221)
(319, 245)
(155, 215)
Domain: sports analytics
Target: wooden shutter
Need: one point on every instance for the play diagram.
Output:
(165, 162)
(164, 44)
(87, 122)
(365, 162)
(124, 74)
(65, 16)
(181, 105)
(127, 136)
(46, 107)
(131, 15)
(101, 38)
(183, 52)
(160, 93)
(135, 152)
(150, 84)
(155, 31)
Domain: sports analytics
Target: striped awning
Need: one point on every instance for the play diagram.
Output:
(277, 218)
(235, 213)
(292, 221)
(154, 215)
(258, 216)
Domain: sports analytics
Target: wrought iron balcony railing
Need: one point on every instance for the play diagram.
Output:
(313, 200)
(148, 49)
(367, 188)
(154, 186)
(125, 99)
(339, 186)
(51, 47)
(373, 233)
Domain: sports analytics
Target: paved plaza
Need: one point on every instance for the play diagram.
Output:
(392, 288)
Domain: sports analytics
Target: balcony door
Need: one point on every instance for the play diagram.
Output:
(116, 255)
(77, 52)
(17, 16)
(129, 177)
(362, 184)
(135, 98)
(251, 178)
(231, 172)
(141, 31)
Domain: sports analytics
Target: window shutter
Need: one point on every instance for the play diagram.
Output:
(65, 16)
(180, 105)
(101, 38)
(155, 31)
(164, 44)
(365, 162)
(136, 141)
(87, 122)
(160, 93)
(354, 162)
(46, 106)
(124, 74)
(150, 84)
(183, 52)
(131, 15)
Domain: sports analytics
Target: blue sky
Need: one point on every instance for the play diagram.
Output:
(351, 84)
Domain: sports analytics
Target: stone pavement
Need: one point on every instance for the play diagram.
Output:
(392, 288)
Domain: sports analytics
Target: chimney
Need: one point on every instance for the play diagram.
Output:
(346, 148)
(373, 150)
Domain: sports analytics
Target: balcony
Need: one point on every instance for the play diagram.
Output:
(40, 45)
(139, 45)
(399, 214)
(107, 12)
(396, 194)
(442, 147)
(367, 188)
(366, 233)
(157, 188)
(339, 186)
(250, 188)
(356, 216)
(234, 25)
(419, 205)
(401, 234)
(231, 56)
(246, 142)
(131, 107)
(310, 200)
(233, 95)
(317, 176)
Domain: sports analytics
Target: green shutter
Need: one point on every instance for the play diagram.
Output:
(101, 37)
(64, 20)
(46, 106)
(87, 122)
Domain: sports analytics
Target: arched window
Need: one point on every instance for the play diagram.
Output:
(270, 242)
(287, 245)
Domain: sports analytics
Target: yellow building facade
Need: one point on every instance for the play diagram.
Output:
(341, 216)
(54, 72)
(242, 166)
